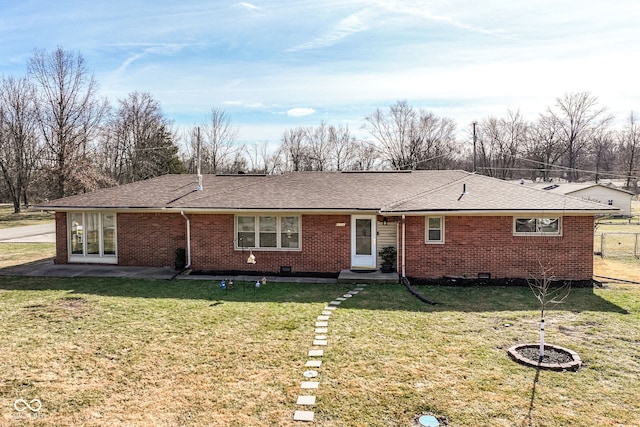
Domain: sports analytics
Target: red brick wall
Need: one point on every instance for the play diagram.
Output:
(150, 239)
(496, 250)
(326, 247)
(62, 255)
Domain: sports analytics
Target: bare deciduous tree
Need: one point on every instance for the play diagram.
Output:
(393, 133)
(547, 292)
(578, 117)
(629, 149)
(436, 136)
(602, 158)
(500, 142)
(260, 159)
(19, 146)
(318, 148)
(318, 142)
(69, 116)
(408, 139)
(343, 147)
(366, 156)
(139, 143)
(219, 137)
(294, 150)
(543, 146)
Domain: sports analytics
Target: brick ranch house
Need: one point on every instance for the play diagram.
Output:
(443, 223)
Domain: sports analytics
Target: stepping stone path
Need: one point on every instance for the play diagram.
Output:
(320, 340)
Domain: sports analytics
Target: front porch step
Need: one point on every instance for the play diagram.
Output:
(355, 277)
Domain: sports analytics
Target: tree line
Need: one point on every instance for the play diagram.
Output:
(59, 138)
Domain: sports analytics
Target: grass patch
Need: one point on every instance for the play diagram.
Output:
(22, 253)
(619, 268)
(148, 353)
(620, 235)
(9, 219)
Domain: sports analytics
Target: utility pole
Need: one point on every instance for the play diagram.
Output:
(198, 157)
(475, 140)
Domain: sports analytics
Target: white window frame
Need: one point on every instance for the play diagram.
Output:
(537, 232)
(426, 230)
(278, 247)
(100, 257)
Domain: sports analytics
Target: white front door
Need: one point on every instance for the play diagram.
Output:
(363, 241)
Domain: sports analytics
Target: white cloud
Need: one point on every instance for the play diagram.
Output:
(153, 49)
(353, 23)
(411, 8)
(300, 112)
(245, 104)
(249, 6)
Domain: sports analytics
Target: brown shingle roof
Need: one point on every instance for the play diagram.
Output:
(392, 192)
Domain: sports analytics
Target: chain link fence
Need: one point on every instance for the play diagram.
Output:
(617, 245)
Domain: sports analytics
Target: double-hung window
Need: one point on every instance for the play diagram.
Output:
(92, 236)
(434, 229)
(540, 226)
(268, 231)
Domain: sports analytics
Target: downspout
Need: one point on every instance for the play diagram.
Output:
(188, 239)
(404, 279)
(404, 271)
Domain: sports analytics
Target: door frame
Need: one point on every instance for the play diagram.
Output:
(364, 261)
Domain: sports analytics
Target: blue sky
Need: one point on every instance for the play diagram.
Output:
(275, 64)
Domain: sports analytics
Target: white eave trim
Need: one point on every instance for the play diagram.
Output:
(217, 211)
(476, 212)
(508, 212)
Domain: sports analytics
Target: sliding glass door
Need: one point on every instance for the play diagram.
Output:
(92, 237)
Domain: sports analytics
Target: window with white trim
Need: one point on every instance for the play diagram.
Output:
(92, 235)
(268, 232)
(543, 226)
(434, 229)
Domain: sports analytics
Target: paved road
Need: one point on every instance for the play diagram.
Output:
(44, 233)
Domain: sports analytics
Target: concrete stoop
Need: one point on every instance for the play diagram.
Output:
(352, 277)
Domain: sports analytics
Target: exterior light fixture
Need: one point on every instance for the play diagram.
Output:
(252, 258)
(384, 220)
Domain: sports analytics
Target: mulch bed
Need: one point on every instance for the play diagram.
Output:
(551, 355)
(555, 358)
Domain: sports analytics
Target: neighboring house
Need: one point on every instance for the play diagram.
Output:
(604, 194)
(443, 223)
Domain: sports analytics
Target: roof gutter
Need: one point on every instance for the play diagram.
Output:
(498, 212)
(188, 239)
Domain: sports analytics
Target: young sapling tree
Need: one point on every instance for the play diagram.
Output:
(547, 292)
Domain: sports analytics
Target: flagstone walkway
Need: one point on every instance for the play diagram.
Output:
(307, 399)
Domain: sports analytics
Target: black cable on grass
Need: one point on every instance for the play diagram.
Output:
(415, 293)
(618, 280)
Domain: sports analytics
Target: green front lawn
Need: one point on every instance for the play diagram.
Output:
(147, 353)
(9, 219)
(21, 253)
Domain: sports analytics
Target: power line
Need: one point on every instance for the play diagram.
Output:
(613, 174)
(564, 168)
(420, 161)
